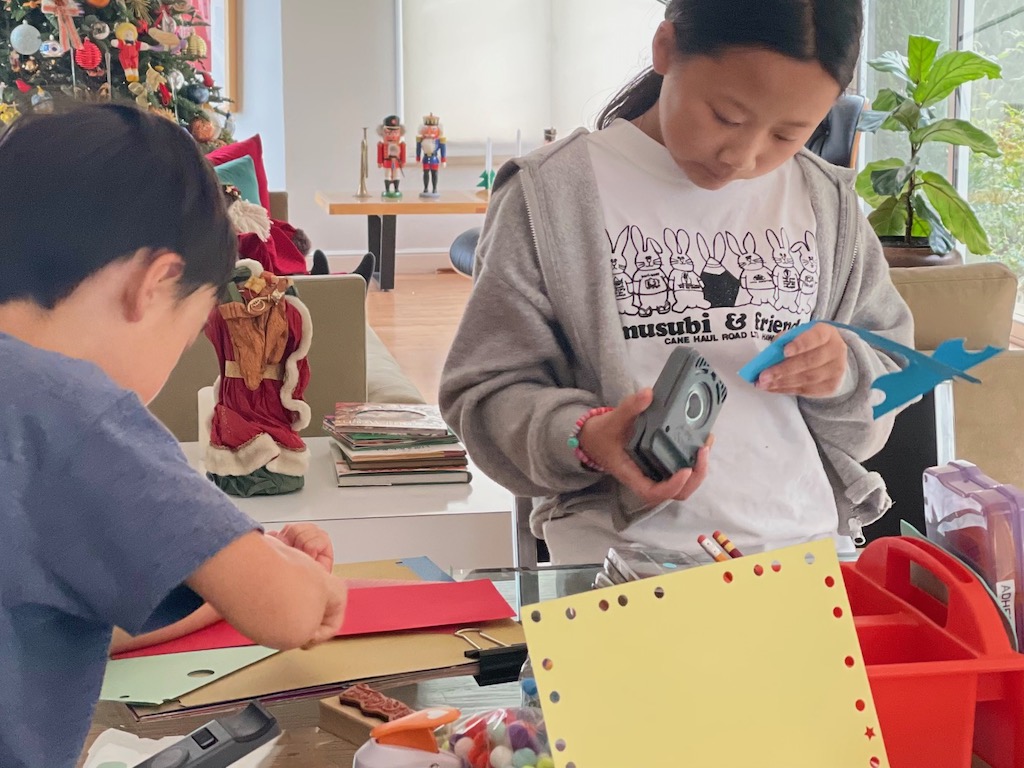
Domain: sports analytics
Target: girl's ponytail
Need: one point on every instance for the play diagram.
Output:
(633, 100)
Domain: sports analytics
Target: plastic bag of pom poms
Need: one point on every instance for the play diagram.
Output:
(500, 738)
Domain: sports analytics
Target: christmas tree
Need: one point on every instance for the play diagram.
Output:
(146, 50)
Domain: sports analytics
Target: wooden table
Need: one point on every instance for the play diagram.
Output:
(381, 215)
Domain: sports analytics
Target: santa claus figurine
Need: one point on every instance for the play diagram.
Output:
(261, 333)
(391, 154)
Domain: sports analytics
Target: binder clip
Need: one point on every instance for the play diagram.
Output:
(501, 663)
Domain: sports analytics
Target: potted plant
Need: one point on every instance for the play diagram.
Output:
(918, 214)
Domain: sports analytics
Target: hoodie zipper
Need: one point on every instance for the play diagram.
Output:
(850, 221)
(529, 219)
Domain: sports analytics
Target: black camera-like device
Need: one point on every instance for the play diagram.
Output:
(688, 397)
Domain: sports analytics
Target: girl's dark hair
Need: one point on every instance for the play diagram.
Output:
(90, 185)
(825, 31)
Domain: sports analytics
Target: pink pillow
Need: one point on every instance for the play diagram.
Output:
(252, 147)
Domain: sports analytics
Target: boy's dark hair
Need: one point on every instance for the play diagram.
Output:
(825, 31)
(90, 185)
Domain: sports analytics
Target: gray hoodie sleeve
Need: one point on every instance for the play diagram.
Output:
(869, 300)
(508, 388)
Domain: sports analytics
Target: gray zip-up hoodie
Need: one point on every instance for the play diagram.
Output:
(541, 339)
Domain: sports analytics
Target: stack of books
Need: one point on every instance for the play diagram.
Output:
(394, 444)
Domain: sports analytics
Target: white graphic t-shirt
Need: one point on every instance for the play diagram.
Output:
(724, 272)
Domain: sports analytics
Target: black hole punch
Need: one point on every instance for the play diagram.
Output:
(555, 697)
(560, 745)
(659, 593)
(535, 617)
(603, 605)
(570, 613)
(623, 601)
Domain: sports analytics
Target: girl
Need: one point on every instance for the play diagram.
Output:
(709, 141)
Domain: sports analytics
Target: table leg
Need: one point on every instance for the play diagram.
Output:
(373, 231)
(386, 259)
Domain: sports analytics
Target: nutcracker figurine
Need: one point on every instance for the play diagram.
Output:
(432, 152)
(391, 154)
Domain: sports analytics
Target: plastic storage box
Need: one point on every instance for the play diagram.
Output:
(946, 682)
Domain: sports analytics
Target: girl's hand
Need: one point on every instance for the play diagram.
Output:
(604, 439)
(815, 365)
(309, 539)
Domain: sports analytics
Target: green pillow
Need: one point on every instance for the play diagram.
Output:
(242, 174)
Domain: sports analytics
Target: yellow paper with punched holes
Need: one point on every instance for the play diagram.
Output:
(751, 663)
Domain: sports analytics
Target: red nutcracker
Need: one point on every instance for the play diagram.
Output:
(128, 43)
(391, 154)
(431, 151)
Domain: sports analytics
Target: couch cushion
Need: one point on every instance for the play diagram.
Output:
(385, 382)
(241, 172)
(989, 419)
(970, 301)
(253, 147)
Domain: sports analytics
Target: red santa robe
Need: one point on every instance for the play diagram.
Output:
(261, 335)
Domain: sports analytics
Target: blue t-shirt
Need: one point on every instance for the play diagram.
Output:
(101, 521)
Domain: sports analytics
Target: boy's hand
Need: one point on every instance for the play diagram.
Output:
(309, 539)
(334, 612)
(815, 365)
(604, 439)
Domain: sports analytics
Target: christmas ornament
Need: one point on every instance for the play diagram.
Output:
(8, 113)
(164, 93)
(207, 79)
(176, 80)
(196, 46)
(15, 60)
(30, 65)
(153, 78)
(202, 130)
(51, 49)
(100, 30)
(25, 39)
(89, 55)
(42, 101)
(139, 9)
(165, 31)
(197, 93)
(22, 86)
(98, 3)
(217, 120)
(128, 43)
(65, 12)
(141, 94)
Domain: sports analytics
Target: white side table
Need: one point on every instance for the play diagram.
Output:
(457, 526)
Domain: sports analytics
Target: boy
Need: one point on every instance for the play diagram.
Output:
(113, 243)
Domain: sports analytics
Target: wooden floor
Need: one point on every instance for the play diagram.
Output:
(417, 322)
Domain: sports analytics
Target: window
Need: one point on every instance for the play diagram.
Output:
(995, 188)
(490, 69)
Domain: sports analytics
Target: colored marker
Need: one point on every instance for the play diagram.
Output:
(713, 549)
(727, 545)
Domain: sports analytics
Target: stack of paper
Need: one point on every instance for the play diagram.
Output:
(393, 444)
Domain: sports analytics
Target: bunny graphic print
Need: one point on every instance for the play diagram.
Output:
(725, 272)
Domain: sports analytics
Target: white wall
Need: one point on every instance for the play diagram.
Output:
(339, 76)
(261, 83)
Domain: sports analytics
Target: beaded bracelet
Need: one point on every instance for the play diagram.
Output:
(574, 438)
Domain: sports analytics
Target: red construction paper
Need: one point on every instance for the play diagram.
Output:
(394, 608)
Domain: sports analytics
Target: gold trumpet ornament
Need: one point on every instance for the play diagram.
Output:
(364, 167)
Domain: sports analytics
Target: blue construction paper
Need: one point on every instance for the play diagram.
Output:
(920, 373)
(425, 568)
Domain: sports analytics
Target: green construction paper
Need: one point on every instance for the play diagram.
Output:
(155, 680)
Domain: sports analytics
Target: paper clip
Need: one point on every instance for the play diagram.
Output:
(463, 633)
(500, 664)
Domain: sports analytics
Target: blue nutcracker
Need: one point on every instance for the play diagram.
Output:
(431, 152)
